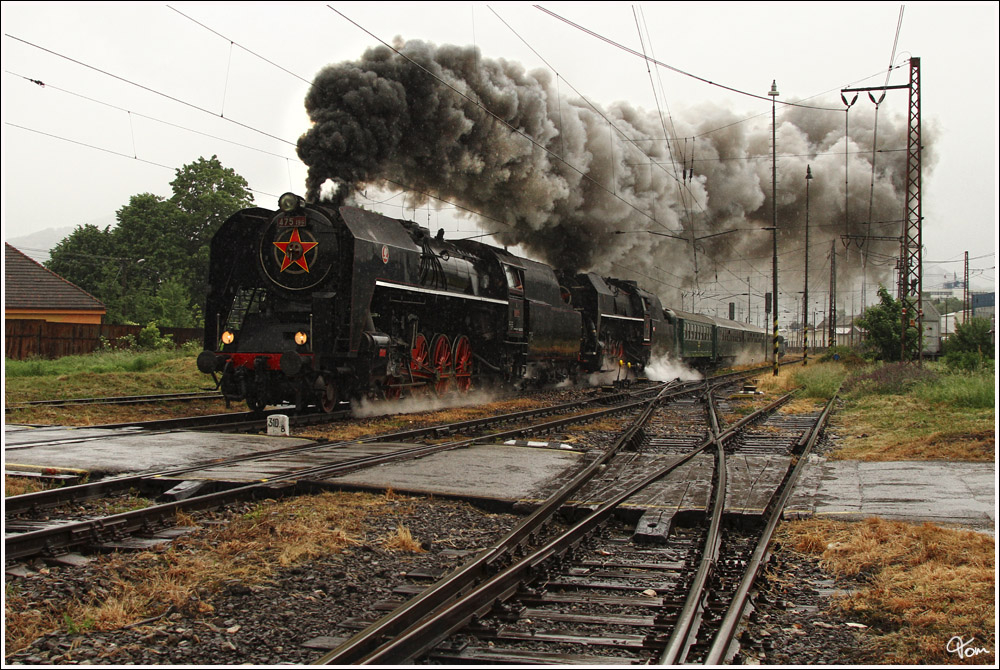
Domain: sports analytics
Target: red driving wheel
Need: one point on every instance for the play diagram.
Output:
(463, 363)
(440, 363)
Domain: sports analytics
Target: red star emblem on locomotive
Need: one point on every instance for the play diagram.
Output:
(295, 251)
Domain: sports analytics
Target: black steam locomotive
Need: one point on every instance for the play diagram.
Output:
(313, 304)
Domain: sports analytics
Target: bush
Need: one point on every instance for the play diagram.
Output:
(845, 355)
(966, 361)
(123, 343)
(150, 338)
(973, 336)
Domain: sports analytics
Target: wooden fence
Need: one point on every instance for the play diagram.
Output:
(25, 338)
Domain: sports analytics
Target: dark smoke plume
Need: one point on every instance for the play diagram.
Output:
(584, 174)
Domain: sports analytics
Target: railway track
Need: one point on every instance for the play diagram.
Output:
(116, 400)
(607, 590)
(215, 483)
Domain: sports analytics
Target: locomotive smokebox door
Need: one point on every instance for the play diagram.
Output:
(298, 250)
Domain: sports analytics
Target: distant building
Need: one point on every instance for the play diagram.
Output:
(846, 333)
(32, 291)
(950, 322)
(984, 305)
(932, 330)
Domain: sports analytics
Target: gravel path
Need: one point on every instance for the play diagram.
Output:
(269, 623)
(794, 622)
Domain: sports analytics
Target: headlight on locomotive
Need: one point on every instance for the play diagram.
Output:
(228, 337)
(301, 338)
(289, 202)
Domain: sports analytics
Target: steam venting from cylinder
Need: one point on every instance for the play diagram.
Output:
(560, 176)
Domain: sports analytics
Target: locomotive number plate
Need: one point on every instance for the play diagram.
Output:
(292, 222)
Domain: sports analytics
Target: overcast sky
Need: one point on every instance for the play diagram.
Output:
(135, 90)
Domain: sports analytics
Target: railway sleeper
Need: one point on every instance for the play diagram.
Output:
(632, 643)
(468, 655)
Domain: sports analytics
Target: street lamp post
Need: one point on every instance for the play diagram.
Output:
(774, 218)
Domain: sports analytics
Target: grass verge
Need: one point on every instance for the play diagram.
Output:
(106, 374)
(112, 373)
(924, 586)
(894, 412)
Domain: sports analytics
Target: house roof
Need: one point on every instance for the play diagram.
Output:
(30, 286)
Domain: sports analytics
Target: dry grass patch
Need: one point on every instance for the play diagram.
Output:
(95, 415)
(778, 385)
(803, 406)
(15, 486)
(925, 584)
(894, 427)
(608, 424)
(402, 540)
(130, 587)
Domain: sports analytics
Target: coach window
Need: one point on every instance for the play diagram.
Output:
(565, 294)
(514, 278)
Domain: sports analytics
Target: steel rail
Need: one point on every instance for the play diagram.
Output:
(30, 543)
(115, 400)
(412, 636)
(727, 631)
(52, 497)
(689, 620)
(438, 625)
(373, 638)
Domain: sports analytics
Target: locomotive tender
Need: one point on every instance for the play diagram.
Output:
(312, 304)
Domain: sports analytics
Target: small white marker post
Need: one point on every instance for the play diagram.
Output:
(277, 424)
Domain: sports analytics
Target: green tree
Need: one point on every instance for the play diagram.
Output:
(883, 325)
(84, 257)
(206, 194)
(153, 265)
(972, 336)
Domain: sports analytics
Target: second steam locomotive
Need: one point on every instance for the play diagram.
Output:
(313, 304)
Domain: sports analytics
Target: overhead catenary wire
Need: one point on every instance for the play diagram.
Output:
(170, 97)
(148, 89)
(683, 186)
(403, 186)
(649, 59)
(49, 86)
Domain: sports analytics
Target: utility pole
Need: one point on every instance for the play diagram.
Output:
(911, 245)
(832, 318)
(913, 223)
(774, 218)
(966, 306)
(805, 291)
(748, 299)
